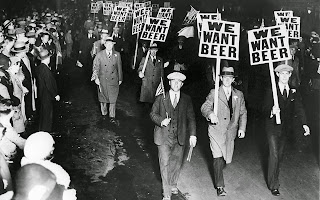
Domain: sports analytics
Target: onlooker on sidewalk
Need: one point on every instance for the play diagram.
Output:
(231, 119)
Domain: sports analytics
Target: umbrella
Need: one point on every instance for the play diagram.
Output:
(187, 32)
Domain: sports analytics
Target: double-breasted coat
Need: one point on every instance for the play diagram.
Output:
(151, 79)
(109, 72)
(186, 118)
(223, 134)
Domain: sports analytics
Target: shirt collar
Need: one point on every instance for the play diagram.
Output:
(282, 86)
(172, 93)
(226, 89)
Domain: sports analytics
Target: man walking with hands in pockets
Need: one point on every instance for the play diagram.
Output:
(173, 115)
(230, 121)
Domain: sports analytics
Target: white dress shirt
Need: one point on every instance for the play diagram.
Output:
(172, 96)
(227, 91)
(282, 87)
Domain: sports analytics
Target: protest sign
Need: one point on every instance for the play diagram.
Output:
(139, 18)
(202, 16)
(122, 3)
(137, 6)
(100, 4)
(94, 7)
(107, 8)
(129, 4)
(166, 4)
(147, 4)
(149, 9)
(165, 13)
(220, 39)
(278, 14)
(191, 16)
(119, 14)
(269, 44)
(292, 25)
(155, 29)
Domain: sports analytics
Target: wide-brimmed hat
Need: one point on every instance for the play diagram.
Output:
(31, 34)
(153, 46)
(7, 23)
(110, 39)
(283, 67)
(19, 46)
(227, 71)
(104, 31)
(177, 76)
(34, 181)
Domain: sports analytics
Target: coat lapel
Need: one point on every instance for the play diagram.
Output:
(222, 96)
(234, 96)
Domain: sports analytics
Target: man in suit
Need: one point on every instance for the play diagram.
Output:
(107, 74)
(48, 91)
(151, 76)
(85, 47)
(289, 105)
(173, 115)
(230, 121)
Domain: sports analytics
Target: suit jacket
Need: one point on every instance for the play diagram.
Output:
(151, 79)
(186, 118)
(109, 72)
(288, 109)
(226, 130)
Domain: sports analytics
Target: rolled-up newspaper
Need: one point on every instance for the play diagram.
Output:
(190, 153)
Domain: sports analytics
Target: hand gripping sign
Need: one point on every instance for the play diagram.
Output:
(155, 29)
(268, 45)
(220, 40)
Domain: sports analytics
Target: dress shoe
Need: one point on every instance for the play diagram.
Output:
(166, 198)
(114, 121)
(221, 192)
(174, 191)
(275, 192)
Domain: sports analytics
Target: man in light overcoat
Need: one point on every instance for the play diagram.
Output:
(230, 121)
(107, 74)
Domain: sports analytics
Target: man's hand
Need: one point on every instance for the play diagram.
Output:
(275, 110)
(69, 194)
(57, 98)
(166, 64)
(97, 81)
(193, 140)
(241, 134)
(141, 75)
(166, 122)
(120, 82)
(306, 130)
(213, 119)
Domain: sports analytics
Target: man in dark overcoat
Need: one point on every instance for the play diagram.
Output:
(48, 91)
(151, 76)
(173, 116)
(107, 74)
(290, 105)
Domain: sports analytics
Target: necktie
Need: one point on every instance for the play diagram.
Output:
(228, 95)
(175, 101)
(154, 60)
(109, 55)
(284, 95)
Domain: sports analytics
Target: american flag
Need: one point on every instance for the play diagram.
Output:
(160, 89)
(190, 17)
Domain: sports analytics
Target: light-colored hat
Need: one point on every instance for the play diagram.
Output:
(283, 67)
(19, 46)
(176, 75)
(153, 46)
(104, 31)
(20, 31)
(227, 71)
(38, 146)
(110, 39)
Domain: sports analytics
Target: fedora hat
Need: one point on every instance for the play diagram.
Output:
(7, 23)
(153, 46)
(19, 46)
(227, 71)
(43, 54)
(110, 39)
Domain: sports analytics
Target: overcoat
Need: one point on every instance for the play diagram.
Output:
(186, 118)
(151, 79)
(109, 72)
(223, 134)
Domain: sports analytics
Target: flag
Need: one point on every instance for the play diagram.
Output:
(160, 89)
(187, 32)
(191, 16)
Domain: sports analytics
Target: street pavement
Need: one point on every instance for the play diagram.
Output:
(107, 162)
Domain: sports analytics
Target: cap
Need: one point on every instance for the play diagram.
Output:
(283, 67)
(176, 75)
(227, 71)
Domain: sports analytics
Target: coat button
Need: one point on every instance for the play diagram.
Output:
(225, 118)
